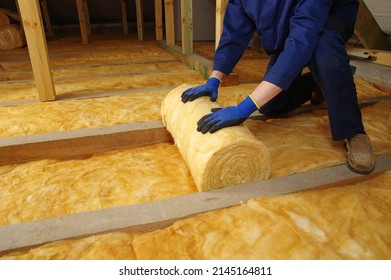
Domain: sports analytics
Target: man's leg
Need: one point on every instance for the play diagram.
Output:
(331, 71)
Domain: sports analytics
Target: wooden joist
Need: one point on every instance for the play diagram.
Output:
(376, 56)
(87, 141)
(199, 63)
(86, 95)
(162, 213)
(81, 142)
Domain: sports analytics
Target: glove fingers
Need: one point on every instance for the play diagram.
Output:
(205, 126)
(199, 94)
(189, 92)
(190, 96)
(204, 119)
(213, 96)
(215, 109)
(219, 125)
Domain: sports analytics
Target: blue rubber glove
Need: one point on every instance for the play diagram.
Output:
(230, 116)
(209, 89)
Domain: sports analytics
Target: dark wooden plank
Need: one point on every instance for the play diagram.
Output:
(81, 142)
(368, 31)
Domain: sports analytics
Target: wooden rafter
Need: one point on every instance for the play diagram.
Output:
(368, 31)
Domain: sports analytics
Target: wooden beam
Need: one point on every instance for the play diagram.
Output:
(80, 142)
(162, 213)
(187, 26)
(82, 21)
(368, 31)
(169, 19)
(87, 141)
(199, 63)
(193, 61)
(221, 5)
(124, 17)
(37, 47)
(140, 20)
(376, 56)
(87, 16)
(159, 19)
(45, 12)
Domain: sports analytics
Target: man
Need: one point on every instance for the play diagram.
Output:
(296, 34)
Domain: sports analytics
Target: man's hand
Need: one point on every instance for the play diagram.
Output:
(230, 116)
(209, 89)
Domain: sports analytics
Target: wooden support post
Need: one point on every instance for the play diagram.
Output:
(368, 31)
(45, 13)
(140, 20)
(36, 42)
(170, 27)
(87, 16)
(124, 17)
(221, 5)
(159, 20)
(82, 21)
(187, 26)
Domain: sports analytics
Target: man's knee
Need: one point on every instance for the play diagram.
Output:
(330, 52)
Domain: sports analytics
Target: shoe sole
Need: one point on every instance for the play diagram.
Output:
(363, 172)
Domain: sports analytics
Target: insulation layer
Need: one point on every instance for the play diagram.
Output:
(230, 156)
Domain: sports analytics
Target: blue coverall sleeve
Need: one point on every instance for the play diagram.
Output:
(237, 32)
(306, 26)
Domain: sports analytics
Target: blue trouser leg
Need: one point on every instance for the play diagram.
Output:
(331, 71)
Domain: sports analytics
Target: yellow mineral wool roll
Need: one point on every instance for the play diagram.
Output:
(230, 156)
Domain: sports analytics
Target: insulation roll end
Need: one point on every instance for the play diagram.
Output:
(230, 156)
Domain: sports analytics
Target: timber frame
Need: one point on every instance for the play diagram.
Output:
(84, 142)
(366, 30)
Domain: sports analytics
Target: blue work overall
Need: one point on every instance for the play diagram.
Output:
(296, 34)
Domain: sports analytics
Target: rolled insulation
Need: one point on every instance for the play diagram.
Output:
(230, 156)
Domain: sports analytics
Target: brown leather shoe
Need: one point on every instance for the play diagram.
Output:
(360, 156)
